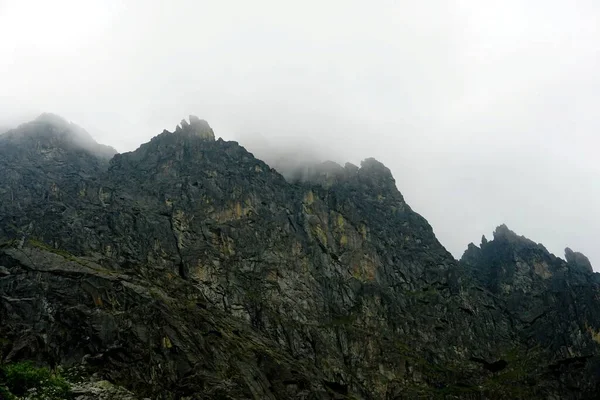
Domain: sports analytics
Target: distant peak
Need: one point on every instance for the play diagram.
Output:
(57, 131)
(329, 167)
(53, 119)
(196, 127)
(62, 125)
(351, 167)
(373, 164)
(504, 235)
(502, 232)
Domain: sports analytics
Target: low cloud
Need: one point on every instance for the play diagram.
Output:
(485, 113)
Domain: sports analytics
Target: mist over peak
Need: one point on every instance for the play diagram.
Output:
(196, 127)
(53, 119)
(189, 241)
(306, 244)
(53, 130)
(296, 160)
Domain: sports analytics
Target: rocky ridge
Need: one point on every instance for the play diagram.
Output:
(190, 269)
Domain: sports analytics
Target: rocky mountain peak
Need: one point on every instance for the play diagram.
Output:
(375, 170)
(507, 246)
(49, 132)
(502, 234)
(578, 260)
(376, 166)
(191, 260)
(196, 127)
(53, 119)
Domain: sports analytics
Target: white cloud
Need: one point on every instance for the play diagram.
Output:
(485, 111)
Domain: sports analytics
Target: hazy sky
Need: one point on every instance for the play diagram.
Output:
(487, 112)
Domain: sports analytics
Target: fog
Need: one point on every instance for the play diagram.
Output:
(486, 112)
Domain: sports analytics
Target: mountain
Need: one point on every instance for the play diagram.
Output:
(188, 268)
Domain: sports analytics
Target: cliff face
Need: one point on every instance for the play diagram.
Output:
(553, 304)
(190, 268)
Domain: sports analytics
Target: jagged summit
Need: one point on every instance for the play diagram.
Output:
(578, 260)
(484, 240)
(508, 239)
(197, 127)
(375, 165)
(375, 170)
(328, 171)
(191, 260)
(503, 234)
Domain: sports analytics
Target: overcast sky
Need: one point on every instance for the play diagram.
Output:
(487, 112)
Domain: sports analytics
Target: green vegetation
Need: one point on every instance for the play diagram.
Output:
(23, 380)
(63, 253)
(43, 246)
(517, 378)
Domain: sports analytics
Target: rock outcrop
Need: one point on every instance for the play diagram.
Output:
(190, 269)
(578, 260)
(196, 127)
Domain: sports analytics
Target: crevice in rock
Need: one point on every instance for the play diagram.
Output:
(467, 310)
(181, 268)
(576, 362)
(336, 387)
(493, 367)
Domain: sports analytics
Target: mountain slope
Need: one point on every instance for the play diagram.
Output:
(190, 268)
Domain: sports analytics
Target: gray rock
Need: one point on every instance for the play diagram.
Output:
(190, 269)
(101, 390)
(578, 260)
